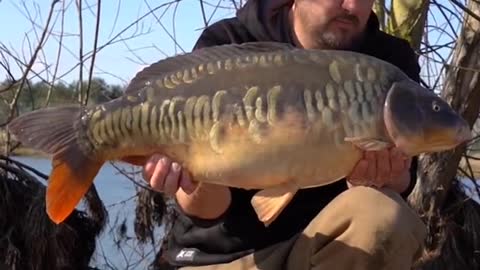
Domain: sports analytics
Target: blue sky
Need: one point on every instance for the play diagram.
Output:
(123, 58)
(118, 62)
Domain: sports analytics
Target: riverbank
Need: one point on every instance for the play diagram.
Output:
(25, 152)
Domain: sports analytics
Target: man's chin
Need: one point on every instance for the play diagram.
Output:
(336, 43)
(340, 40)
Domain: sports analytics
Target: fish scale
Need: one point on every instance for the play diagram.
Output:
(264, 116)
(195, 121)
(202, 117)
(180, 121)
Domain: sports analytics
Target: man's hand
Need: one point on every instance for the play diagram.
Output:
(167, 176)
(386, 168)
(206, 201)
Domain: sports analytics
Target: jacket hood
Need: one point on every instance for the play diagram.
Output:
(267, 20)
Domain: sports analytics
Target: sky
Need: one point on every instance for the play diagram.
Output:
(120, 61)
(144, 43)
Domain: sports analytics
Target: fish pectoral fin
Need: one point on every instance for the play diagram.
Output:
(368, 144)
(269, 203)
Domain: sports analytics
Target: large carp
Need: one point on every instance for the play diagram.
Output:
(263, 116)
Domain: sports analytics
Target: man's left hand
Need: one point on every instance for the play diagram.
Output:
(385, 168)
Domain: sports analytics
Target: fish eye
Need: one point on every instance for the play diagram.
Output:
(435, 106)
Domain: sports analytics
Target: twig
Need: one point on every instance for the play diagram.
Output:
(94, 51)
(20, 164)
(32, 61)
(81, 98)
(59, 52)
(465, 9)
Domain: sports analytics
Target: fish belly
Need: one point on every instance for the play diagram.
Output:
(289, 153)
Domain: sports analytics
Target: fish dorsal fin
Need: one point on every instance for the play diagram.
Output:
(203, 55)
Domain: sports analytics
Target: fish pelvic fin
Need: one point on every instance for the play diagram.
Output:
(369, 144)
(56, 131)
(270, 202)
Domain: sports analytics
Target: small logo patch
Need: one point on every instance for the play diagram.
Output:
(186, 254)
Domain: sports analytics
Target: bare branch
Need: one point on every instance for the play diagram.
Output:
(32, 61)
(94, 51)
(59, 53)
(465, 9)
(82, 97)
(202, 7)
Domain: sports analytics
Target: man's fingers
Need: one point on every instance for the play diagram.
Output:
(408, 163)
(157, 180)
(358, 173)
(149, 167)
(371, 166)
(170, 185)
(186, 182)
(398, 163)
(384, 167)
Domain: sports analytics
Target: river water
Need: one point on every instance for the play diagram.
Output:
(115, 190)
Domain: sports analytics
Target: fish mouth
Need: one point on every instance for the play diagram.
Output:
(415, 145)
(464, 134)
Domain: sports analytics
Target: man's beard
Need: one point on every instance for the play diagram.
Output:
(339, 39)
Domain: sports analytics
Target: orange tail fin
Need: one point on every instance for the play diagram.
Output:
(67, 186)
(56, 131)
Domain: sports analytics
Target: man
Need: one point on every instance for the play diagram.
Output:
(359, 223)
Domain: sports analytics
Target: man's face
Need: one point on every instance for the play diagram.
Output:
(334, 24)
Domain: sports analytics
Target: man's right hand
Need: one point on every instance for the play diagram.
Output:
(204, 200)
(166, 176)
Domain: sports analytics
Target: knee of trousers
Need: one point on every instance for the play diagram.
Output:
(381, 216)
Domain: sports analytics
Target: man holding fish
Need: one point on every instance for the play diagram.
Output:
(298, 143)
(344, 225)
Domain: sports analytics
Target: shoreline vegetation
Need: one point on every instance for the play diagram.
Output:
(38, 93)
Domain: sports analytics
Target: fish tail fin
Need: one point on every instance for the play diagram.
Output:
(50, 130)
(55, 131)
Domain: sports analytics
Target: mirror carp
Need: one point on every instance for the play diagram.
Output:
(261, 115)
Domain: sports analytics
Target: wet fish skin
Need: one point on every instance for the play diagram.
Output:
(257, 116)
(147, 96)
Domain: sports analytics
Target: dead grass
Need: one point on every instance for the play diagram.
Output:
(29, 239)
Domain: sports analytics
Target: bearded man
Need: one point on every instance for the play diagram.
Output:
(361, 222)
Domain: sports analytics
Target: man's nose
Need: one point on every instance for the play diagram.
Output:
(351, 5)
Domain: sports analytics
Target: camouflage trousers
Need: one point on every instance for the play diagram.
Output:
(362, 229)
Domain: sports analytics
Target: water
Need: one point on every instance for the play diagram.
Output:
(117, 193)
(115, 190)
